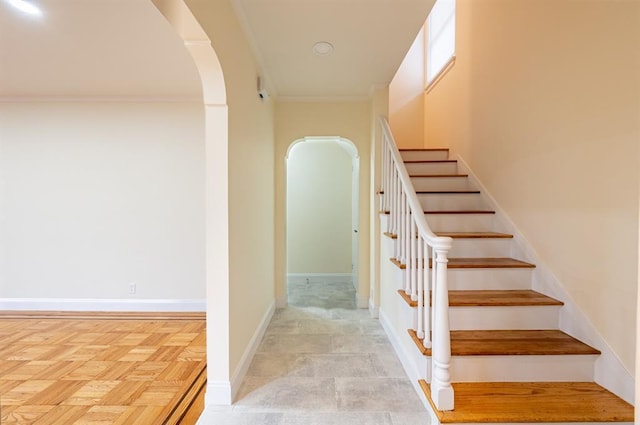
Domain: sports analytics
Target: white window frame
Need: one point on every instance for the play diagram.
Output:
(440, 40)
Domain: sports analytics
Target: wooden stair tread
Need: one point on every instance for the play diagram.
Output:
(423, 149)
(447, 192)
(532, 402)
(477, 263)
(475, 235)
(438, 175)
(516, 342)
(429, 161)
(487, 263)
(492, 298)
(459, 212)
(511, 343)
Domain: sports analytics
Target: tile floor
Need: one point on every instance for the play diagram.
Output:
(323, 362)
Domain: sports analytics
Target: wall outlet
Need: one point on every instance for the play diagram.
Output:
(132, 288)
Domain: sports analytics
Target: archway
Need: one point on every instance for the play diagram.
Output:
(217, 200)
(322, 203)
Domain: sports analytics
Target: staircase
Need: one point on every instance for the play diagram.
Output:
(509, 361)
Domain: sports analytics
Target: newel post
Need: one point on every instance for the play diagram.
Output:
(441, 389)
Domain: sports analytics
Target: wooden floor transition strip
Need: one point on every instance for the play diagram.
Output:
(532, 402)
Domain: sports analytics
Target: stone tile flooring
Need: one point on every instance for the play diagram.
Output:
(323, 362)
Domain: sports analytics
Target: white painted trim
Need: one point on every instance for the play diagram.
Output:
(89, 99)
(245, 361)
(80, 304)
(320, 277)
(218, 393)
(407, 363)
(325, 99)
(609, 371)
(374, 310)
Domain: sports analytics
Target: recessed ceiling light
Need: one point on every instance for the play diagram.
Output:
(322, 48)
(26, 7)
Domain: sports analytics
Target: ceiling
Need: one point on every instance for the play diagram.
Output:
(95, 48)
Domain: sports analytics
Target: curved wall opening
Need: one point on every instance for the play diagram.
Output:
(322, 222)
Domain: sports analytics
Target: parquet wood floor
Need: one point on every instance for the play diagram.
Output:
(91, 369)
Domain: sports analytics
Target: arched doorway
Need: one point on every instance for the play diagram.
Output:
(322, 187)
(197, 42)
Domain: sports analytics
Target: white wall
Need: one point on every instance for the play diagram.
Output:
(296, 120)
(406, 97)
(549, 122)
(95, 196)
(319, 208)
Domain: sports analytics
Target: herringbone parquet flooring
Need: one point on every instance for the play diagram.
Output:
(99, 368)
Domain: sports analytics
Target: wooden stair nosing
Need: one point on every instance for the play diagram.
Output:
(492, 298)
(448, 192)
(423, 149)
(477, 263)
(464, 235)
(431, 212)
(532, 402)
(429, 161)
(439, 175)
(512, 343)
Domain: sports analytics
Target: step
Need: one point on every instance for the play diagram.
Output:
(532, 402)
(447, 200)
(427, 154)
(431, 167)
(496, 246)
(465, 274)
(460, 221)
(440, 182)
(517, 355)
(491, 310)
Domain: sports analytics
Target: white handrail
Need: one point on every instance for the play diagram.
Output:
(413, 241)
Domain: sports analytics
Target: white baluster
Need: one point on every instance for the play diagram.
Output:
(441, 389)
(426, 342)
(414, 263)
(421, 297)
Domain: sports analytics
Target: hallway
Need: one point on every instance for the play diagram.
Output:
(323, 362)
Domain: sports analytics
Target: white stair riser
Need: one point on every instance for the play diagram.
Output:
(427, 168)
(450, 202)
(481, 247)
(460, 222)
(489, 279)
(522, 368)
(440, 183)
(434, 155)
(505, 318)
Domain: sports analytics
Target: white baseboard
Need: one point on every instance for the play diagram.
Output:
(245, 361)
(80, 304)
(609, 371)
(374, 310)
(218, 393)
(362, 302)
(320, 277)
(224, 392)
(407, 364)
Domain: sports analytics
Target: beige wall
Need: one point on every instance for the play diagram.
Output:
(319, 208)
(406, 97)
(296, 120)
(543, 103)
(251, 193)
(97, 195)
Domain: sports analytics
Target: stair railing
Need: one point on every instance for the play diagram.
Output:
(417, 249)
